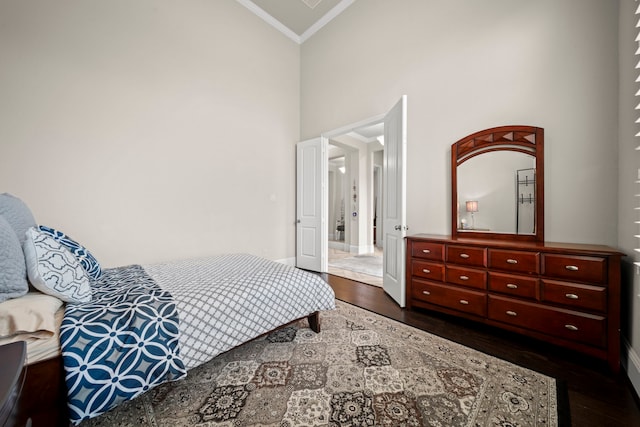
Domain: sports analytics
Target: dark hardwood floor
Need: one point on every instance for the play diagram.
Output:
(596, 396)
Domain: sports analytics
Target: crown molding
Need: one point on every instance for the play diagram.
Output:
(328, 17)
(258, 11)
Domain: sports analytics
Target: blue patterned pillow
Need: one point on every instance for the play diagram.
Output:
(53, 270)
(87, 261)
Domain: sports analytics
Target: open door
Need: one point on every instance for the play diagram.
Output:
(311, 205)
(394, 201)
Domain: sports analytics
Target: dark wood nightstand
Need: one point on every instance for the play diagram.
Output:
(12, 374)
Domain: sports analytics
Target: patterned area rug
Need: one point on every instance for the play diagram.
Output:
(367, 264)
(361, 370)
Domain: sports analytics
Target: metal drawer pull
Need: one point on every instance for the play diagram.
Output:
(464, 302)
(464, 277)
(571, 327)
(512, 261)
(571, 296)
(424, 270)
(571, 267)
(465, 256)
(512, 313)
(426, 251)
(426, 292)
(512, 286)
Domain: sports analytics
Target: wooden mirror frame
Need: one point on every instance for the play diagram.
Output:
(524, 139)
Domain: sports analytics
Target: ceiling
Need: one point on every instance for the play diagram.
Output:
(297, 19)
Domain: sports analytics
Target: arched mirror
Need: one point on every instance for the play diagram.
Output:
(497, 184)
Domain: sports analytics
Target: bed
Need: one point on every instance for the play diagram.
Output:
(142, 325)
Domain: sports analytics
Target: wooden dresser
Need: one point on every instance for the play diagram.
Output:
(565, 294)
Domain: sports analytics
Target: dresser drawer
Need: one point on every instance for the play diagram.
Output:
(469, 277)
(517, 261)
(427, 270)
(427, 250)
(575, 295)
(450, 297)
(509, 284)
(571, 325)
(467, 255)
(575, 267)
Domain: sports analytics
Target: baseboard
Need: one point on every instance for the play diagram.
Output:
(354, 249)
(337, 245)
(288, 261)
(630, 360)
(360, 250)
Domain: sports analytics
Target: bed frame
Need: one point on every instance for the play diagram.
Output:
(44, 394)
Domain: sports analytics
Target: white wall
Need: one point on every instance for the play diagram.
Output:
(466, 66)
(629, 165)
(151, 130)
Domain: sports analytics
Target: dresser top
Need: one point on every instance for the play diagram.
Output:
(519, 245)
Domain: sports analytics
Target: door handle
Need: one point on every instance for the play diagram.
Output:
(298, 221)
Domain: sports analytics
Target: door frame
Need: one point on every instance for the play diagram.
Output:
(327, 136)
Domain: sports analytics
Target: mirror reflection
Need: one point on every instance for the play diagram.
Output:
(497, 193)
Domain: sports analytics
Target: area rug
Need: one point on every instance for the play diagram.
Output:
(366, 264)
(361, 370)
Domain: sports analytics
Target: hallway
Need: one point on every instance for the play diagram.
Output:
(366, 268)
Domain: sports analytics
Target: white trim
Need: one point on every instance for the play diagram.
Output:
(262, 14)
(337, 10)
(287, 261)
(258, 11)
(361, 249)
(631, 363)
(361, 138)
(338, 245)
(350, 128)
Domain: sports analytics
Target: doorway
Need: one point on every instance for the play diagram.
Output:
(355, 164)
(312, 200)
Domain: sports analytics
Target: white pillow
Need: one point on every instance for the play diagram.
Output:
(53, 269)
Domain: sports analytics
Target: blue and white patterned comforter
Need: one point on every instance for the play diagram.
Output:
(119, 345)
(128, 338)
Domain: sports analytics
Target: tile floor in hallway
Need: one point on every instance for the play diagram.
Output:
(335, 254)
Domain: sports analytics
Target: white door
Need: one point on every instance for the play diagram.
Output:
(394, 201)
(311, 205)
